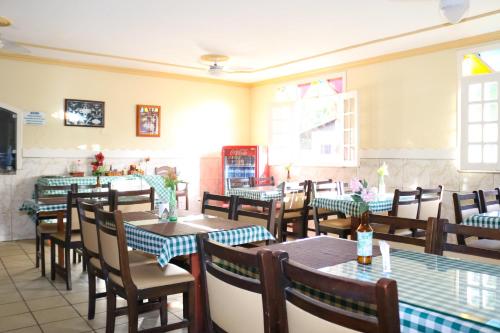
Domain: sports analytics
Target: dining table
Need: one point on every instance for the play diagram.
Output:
(436, 293)
(265, 193)
(168, 240)
(484, 220)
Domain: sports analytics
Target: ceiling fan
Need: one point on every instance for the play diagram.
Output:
(216, 69)
(7, 45)
(452, 10)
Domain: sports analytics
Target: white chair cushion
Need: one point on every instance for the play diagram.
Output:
(134, 258)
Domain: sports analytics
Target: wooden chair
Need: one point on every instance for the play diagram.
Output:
(238, 182)
(329, 221)
(294, 210)
(138, 283)
(256, 212)
(235, 302)
(405, 204)
(489, 200)
(262, 181)
(400, 222)
(218, 205)
(430, 202)
(92, 187)
(133, 201)
(43, 227)
(181, 189)
(298, 312)
(86, 214)
(69, 239)
(465, 205)
(441, 244)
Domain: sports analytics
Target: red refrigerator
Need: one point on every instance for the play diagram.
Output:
(243, 161)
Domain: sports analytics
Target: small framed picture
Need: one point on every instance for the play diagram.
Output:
(83, 113)
(148, 120)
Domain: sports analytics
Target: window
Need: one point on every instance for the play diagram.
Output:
(479, 120)
(314, 124)
(8, 140)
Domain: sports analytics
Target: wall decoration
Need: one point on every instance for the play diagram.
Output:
(83, 113)
(148, 120)
(34, 118)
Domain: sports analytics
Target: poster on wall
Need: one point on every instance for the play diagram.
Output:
(83, 113)
(148, 120)
(34, 118)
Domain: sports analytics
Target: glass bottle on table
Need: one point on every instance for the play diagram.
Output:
(365, 241)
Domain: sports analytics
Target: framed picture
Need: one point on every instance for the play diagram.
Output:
(148, 120)
(83, 113)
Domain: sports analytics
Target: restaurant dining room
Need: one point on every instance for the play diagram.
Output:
(250, 166)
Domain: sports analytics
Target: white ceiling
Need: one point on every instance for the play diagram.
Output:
(170, 36)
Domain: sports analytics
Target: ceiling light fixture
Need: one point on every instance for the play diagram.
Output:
(215, 69)
(454, 10)
(5, 22)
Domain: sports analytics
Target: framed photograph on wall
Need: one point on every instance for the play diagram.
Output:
(83, 113)
(148, 120)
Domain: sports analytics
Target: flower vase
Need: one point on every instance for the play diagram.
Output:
(381, 185)
(288, 178)
(172, 207)
(98, 181)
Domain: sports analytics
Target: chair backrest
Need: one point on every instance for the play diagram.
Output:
(165, 170)
(238, 182)
(403, 223)
(441, 243)
(327, 186)
(133, 201)
(465, 205)
(489, 200)
(113, 248)
(262, 181)
(86, 214)
(294, 205)
(91, 187)
(49, 191)
(405, 204)
(430, 202)
(218, 205)
(298, 312)
(265, 217)
(235, 302)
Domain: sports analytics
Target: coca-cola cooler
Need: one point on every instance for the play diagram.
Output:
(242, 162)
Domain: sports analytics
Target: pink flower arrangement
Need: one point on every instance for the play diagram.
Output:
(361, 191)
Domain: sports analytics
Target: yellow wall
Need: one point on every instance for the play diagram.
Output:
(199, 116)
(407, 103)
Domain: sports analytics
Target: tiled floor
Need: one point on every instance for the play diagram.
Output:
(30, 303)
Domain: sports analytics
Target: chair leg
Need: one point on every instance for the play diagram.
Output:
(190, 306)
(187, 202)
(52, 261)
(92, 294)
(74, 256)
(67, 268)
(41, 253)
(133, 314)
(163, 311)
(110, 311)
(37, 248)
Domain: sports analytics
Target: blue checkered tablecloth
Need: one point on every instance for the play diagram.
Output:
(484, 220)
(167, 248)
(256, 193)
(346, 205)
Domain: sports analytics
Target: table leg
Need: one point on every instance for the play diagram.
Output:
(199, 314)
(60, 228)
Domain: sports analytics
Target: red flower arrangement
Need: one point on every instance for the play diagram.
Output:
(98, 168)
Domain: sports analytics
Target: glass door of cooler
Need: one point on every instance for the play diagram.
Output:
(239, 166)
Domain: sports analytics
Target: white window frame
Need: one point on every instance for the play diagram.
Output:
(462, 116)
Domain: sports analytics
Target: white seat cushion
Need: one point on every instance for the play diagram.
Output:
(134, 258)
(487, 244)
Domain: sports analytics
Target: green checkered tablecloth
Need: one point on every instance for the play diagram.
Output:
(346, 205)
(425, 303)
(155, 181)
(486, 220)
(167, 248)
(256, 193)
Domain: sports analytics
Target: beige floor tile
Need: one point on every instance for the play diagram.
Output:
(5, 253)
(77, 297)
(30, 294)
(46, 303)
(18, 321)
(32, 329)
(99, 321)
(55, 314)
(11, 297)
(100, 306)
(74, 325)
(41, 283)
(13, 309)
